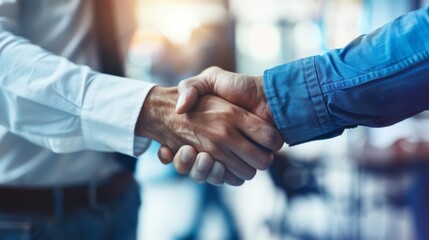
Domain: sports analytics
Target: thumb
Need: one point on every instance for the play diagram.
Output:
(189, 91)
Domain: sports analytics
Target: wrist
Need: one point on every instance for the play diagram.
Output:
(158, 108)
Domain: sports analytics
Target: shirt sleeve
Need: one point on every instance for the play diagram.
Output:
(65, 107)
(376, 80)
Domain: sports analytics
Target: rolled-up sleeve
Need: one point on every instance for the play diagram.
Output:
(376, 80)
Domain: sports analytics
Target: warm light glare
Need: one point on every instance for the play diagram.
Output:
(177, 20)
(177, 25)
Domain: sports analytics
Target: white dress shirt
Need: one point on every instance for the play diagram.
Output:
(60, 120)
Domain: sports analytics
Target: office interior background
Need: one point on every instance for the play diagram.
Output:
(366, 184)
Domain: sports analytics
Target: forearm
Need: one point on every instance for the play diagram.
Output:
(377, 80)
(63, 106)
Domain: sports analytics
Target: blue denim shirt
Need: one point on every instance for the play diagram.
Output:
(378, 79)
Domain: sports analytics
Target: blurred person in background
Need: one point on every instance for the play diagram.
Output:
(62, 121)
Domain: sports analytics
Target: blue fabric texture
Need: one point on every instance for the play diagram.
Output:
(376, 80)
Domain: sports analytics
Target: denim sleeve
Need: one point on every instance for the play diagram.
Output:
(376, 80)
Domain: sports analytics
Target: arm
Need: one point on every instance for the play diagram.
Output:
(377, 80)
(66, 107)
(63, 106)
(56, 104)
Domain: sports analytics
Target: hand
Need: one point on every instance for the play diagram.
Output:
(226, 132)
(200, 166)
(245, 91)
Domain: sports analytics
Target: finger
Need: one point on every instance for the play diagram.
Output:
(187, 99)
(217, 174)
(165, 154)
(184, 159)
(189, 90)
(201, 167)
(232, 180)
(259, 131)
(254, 155)
(238, 166)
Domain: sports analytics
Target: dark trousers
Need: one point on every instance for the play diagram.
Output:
(116, 219)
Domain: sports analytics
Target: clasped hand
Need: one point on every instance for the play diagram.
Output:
(218, 124)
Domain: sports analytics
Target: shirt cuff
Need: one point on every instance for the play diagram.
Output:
(111, 108)
(141, 144)
(297, 104)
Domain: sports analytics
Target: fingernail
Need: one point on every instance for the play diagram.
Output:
(186, 157)
(216, 174)
(162, 155)
(164, 158)
(203, 163)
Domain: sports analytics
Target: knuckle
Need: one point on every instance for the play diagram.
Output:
(223, 133)
(183, 84)
(212, 69)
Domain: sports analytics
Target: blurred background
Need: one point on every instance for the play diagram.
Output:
(366, 184)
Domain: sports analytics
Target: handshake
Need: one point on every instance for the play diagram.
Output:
(218, 124)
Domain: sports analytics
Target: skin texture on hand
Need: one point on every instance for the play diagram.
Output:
(244, 91)
(214, 127)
